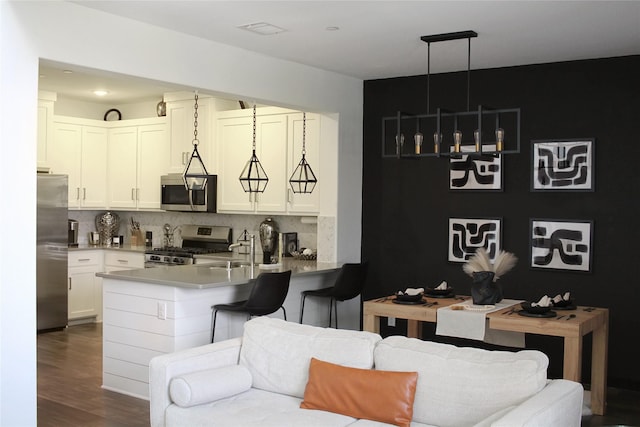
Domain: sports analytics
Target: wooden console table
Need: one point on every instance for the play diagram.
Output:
(584, 320)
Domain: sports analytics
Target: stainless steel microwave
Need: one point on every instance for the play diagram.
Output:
(175, 197)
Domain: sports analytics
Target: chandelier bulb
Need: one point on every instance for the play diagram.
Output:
(499, 139)
(437, 140)
(418, 138)
(457, 141)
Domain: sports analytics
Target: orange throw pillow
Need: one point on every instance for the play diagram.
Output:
(385, 396)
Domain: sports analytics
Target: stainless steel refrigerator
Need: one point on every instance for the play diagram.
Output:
(51, 252)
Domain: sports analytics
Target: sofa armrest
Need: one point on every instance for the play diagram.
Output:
(558, 404)
(163, 368)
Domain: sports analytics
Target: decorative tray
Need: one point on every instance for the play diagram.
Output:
(300, 255)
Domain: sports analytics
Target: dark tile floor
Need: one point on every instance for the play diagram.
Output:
(623, 409)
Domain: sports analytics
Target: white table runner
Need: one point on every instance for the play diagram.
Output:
(471, 322)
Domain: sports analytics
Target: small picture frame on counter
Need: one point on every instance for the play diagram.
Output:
(290, 243)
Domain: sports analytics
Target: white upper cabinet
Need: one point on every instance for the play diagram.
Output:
(235, 137)
(79, 151)
(304, 203)
(181, 126)
(278, 146)
(180, 117)
(137, 157)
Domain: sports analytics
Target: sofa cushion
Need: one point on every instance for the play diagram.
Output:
(461, 386)
(277, 353)
(253, 408)
(385, 396)
(206, 386)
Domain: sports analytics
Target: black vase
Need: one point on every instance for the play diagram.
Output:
(484, 290)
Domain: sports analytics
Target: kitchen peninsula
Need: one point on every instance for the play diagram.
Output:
(152, 311)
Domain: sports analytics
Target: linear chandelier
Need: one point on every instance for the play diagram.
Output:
(454, 133)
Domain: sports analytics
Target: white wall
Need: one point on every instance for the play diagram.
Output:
(70, 33)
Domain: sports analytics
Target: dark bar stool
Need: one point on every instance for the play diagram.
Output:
(267, 296)
(348, 285)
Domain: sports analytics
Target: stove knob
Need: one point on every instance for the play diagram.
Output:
(178, 260)
(167, 259)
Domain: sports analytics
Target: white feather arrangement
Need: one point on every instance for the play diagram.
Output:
(480, 261)
(505, 261)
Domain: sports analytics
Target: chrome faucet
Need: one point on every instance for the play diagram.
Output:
(252, 248)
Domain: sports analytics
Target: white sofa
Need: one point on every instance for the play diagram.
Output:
(259, 380)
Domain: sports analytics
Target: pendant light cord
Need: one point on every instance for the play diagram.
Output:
(195, 121)
(468, 73)
(254, 128)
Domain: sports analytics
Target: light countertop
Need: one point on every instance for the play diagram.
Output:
(206, 276)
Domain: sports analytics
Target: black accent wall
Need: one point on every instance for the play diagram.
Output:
(407, 202)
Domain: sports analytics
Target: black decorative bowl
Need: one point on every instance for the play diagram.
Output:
(401, 296)
(437, 292)
(526, 306)
(563, 303)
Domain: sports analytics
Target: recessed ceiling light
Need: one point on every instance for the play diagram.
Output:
(67, 72)
(100, 92)
(332, 28)
(262, 28)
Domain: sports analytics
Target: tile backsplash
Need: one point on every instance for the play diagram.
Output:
(306, 227)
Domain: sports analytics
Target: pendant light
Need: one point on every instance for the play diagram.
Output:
(253, 177)
(195, 174)
(303, 180)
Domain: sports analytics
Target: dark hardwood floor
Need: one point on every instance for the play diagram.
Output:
(70, 379)
(70, 393)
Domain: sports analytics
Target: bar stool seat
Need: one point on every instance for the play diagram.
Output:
(348, 285)
(267, 296)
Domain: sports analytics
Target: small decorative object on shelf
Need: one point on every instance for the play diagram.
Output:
(484, 289)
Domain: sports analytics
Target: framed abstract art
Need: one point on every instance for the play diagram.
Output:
(561, 244)
(476, 172)
(466, 235)
(563, 165)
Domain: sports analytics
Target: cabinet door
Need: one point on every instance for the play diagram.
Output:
(65, 157)
(93, 193)
(82, 301)
(304, 203)
(122, 174)
(271, 135)
(234, 137)
(153, 160)
(181, 127)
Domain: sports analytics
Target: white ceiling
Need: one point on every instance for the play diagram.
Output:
(381, 39)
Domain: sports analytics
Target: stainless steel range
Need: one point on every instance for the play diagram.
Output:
(196, 240)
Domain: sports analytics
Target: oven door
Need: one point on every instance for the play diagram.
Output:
(175, 197)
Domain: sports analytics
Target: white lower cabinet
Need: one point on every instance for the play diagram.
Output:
(120, 260)
(85, 288)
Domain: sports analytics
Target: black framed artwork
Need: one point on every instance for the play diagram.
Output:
(466, 235)
(476, 172)
(563, 165)
(561, 244)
